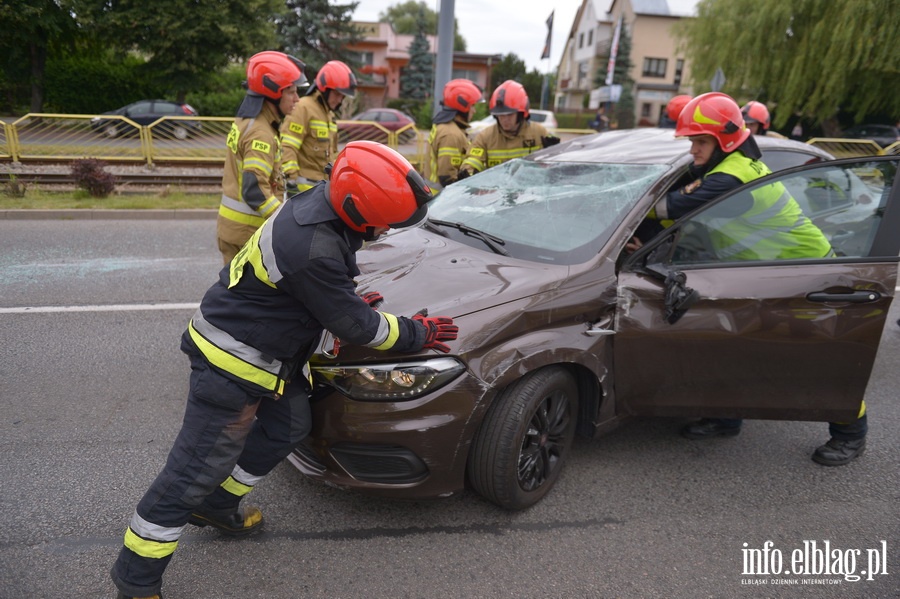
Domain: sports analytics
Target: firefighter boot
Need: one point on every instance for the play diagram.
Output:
(241, 523)
(838, 453)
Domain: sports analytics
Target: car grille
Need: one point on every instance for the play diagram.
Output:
(380, 463)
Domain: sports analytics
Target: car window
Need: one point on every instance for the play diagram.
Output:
(387, 117)
(779, 160)
(166, 108)
(369, 115)
(557, 212)
(789, 216)
(140, 108)
(538, 117)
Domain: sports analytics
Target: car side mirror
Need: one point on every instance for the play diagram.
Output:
(679, 297)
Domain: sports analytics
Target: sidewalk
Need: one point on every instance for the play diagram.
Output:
(89, 214)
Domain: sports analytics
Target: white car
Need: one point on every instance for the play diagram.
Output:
(544, 117)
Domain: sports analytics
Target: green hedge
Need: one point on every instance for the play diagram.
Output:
(90, 85)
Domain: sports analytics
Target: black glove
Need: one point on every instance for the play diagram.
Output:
(290, 186)
(549, 140)
(373, 298)
(463, 173)
(437, 329)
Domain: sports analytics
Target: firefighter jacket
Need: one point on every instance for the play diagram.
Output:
(447, 146)
(309, 141)
(768, 224)
(251, 186)
(494, 146)
(261, 321)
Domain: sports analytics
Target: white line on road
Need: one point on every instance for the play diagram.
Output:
(105, 308)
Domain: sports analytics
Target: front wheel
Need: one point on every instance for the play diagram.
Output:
(180, 132)
(522, 444)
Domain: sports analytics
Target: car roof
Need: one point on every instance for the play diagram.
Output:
(649, 145)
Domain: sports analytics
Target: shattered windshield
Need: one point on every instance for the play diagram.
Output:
(543, 211)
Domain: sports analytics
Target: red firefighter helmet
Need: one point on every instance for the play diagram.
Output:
(270, 72)
(675, 105)
(373, 186)
(509, 97)
(338, 76)
(715, 114)
(462, 95)
(756, 112)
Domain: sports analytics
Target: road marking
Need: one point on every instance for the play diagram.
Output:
(97, 308)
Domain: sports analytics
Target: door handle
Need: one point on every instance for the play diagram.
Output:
(853, 297)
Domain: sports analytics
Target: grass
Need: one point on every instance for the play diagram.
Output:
(67, 200)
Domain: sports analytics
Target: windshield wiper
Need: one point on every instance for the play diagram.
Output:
(489, 240)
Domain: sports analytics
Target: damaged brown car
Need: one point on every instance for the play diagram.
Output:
(558, 322)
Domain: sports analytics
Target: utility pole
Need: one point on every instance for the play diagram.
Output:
(444, 63)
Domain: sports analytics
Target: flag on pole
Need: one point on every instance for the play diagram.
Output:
(546, 53)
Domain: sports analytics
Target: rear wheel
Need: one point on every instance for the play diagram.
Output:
(111, 130)
(520, 449)
(180, 132)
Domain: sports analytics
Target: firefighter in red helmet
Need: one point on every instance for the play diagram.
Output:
(512, 136)
(249, 344)
(758, 120)
(309, 133)
(448, 142)
(251, 185)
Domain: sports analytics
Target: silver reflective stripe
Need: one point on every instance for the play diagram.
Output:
(238, 206)
(154, 532)
(384, 329)
(232, 346)
(268, 252)
(244, 477)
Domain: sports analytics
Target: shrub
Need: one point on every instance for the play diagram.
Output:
(90, 176)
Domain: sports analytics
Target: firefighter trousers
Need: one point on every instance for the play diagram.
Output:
(230, 438)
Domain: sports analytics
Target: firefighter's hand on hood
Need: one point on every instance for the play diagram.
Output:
(437, 330)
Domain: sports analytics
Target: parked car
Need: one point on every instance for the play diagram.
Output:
(562, 331)
(387, 119)
(544, 117)
(883, 135)
(147, 112)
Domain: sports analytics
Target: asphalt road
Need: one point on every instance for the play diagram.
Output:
(92, 399)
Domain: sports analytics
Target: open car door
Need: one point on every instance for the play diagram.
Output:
(713, 319)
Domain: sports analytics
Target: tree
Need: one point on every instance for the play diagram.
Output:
(623, 113)
(403, 18)
(417, 78)
(30, 29)
(806, 56)
(316, 32)
(512, 67)
(187, 42)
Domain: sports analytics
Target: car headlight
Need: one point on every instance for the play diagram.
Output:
(389, 382)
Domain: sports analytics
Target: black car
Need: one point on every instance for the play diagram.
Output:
(883, 135)
(146, 113)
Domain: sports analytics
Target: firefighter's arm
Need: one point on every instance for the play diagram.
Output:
(475, 157)
(449, 158)
(258, 189)
(293, 131)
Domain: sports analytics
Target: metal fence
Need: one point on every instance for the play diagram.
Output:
(113, 138)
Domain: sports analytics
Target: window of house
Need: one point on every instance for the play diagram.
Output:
(679, 67)
(645, 109)
(655, 67)
(590, 37)
(364, 58)
(580, 40)
(469, 74)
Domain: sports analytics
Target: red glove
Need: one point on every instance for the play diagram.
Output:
(373, 298)
(437, 329)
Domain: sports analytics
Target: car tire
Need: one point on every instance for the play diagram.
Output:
(111, 130)
(180, 132)
(522, 444)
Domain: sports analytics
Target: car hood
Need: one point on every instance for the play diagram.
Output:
(415, 269)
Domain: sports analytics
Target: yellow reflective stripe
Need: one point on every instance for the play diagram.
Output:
(862, 410)
(249, 253)
(239, 217)
(291, 142)
(260, 164)
(393, 331)
(147, 548)
(270, 206)
(449, 152)
(290, 166)
(474, 163)
(229, 363)
(236, 488)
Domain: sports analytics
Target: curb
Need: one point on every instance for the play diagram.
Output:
(75, 214)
